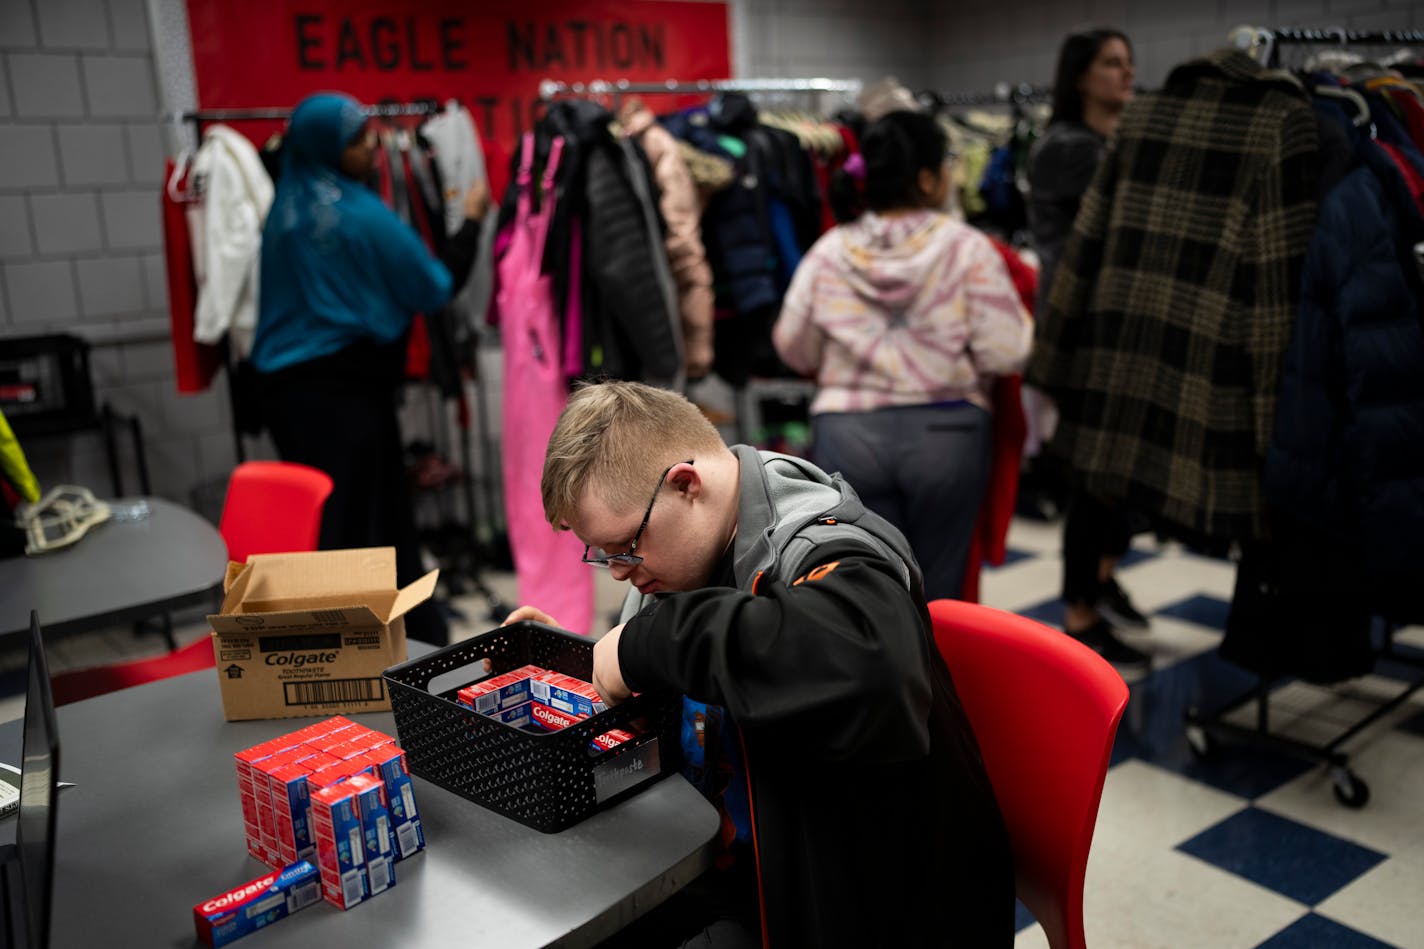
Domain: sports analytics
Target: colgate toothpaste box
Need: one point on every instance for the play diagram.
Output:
(375, 831)
(291, 812)
(251, 785)
(312, 733)
(328, 743)
(340, 847)
(566, 694)
(516, 717)
(500, 692)
(339, 772)
(275, 780)
(347, 750)
(274, 806)
(261, 902)
(551, 719)
(408, 835)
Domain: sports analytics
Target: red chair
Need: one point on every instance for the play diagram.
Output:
(271, 507)
(1045, 709)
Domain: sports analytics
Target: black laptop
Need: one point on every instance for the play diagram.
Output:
(27, 866)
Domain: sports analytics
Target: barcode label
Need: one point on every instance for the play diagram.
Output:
(334, 691)
(406, 839)
(303, 896)
(408, 801)
(328, 616)
(358, 852)
(352, 889)
(379, 872)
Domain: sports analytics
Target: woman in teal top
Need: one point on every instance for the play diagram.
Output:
(341, 277)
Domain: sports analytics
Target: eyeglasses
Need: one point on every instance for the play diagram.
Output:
(600, 557)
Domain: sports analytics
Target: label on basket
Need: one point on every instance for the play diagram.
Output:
(625, 771)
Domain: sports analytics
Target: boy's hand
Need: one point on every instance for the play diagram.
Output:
(607, 677)
(532, 613)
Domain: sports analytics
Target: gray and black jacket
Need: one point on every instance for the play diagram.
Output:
(874, 821)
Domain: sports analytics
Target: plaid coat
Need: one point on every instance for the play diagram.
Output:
(1165, 328)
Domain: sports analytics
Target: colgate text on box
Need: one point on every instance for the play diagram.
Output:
(258, 903)
(552, 719)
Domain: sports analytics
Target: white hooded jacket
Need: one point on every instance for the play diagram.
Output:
(234, 193)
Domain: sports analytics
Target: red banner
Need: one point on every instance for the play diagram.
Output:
(489, 54)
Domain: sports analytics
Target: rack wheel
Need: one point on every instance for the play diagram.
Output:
(1349, 788)
(1203, 747)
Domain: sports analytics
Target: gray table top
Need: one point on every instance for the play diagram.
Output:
(119, 571)
(154, 826)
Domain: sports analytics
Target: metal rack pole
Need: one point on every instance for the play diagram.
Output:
(551, 89)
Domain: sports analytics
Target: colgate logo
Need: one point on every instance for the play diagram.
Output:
(297, 660)
(553, 717)
(239, 895)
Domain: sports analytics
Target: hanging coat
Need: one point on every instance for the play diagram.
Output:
(548, 563)
(236, 196)
(1163, 334)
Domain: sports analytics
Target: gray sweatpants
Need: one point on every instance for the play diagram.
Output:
(923, 468)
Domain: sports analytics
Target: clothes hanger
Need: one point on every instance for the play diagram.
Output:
(180, 170)
(1362, 108)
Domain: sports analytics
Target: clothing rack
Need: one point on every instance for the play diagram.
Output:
(745, 398)
(197, 118)
(472, 559)
(1266, 43)
(269, 113)
(550, 89)
(1003, 94)
(1207, 730)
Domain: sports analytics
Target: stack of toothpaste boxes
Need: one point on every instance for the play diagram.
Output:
(538, 700)
(336, 794)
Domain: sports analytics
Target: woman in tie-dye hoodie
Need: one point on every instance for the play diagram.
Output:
(904, 316)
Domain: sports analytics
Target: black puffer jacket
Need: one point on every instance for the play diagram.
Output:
(734, 225)
(1345, 453)
(627, 324)
(628, 330)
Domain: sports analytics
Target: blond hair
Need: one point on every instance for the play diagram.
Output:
(616, 437)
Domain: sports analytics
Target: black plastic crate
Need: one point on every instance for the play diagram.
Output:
(548, 781)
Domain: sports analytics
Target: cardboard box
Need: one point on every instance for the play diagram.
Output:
(310, 633)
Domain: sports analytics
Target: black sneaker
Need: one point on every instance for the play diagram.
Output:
(1100, 639)
(1117, 608)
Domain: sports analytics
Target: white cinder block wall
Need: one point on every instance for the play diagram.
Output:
(81, 165)
(81, 156)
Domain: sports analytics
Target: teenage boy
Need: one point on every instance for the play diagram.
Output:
(819, 715)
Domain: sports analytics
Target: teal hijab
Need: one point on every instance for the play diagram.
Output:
(338, 266)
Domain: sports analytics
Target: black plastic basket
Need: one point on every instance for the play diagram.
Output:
(548, 781)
